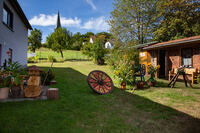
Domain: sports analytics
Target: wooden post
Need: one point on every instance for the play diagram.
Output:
(52, 93)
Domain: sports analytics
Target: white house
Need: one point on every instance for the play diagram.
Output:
(14, 28)
(108, 45)
(92, 39)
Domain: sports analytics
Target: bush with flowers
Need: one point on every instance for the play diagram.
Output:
(123, 71)
(122, 62)
(152, 71)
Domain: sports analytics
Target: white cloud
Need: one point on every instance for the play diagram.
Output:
(90, 2)
(50, 20)
(98, 24)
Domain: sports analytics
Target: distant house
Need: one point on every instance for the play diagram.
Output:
(108, 45)
(171, 55)
(14, 28)
(92, 39)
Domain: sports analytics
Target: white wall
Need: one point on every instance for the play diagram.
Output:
(17, 39)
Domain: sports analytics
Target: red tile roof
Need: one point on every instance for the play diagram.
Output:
(174, 42)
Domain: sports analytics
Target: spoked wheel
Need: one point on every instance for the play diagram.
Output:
(100, 82)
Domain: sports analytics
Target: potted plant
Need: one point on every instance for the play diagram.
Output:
(140, 84)
(124, 71)
(4, 86)
(152, 71)
(16, 76)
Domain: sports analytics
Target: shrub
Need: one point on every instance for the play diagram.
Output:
(152, 71)
(97, 51)
(52, 58)
(122, 62)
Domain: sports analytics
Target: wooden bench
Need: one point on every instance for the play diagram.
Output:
(189, 71)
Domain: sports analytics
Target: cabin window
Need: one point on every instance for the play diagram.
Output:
(7, 17)
(153, 58)
(187, 57)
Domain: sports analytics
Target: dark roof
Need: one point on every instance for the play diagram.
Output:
(20, 12)
(144, 45)
(174, 42)
(58, 21)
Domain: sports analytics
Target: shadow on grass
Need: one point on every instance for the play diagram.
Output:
(85, 111)
(143, 108)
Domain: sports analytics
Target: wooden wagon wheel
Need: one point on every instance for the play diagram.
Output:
(100, 82)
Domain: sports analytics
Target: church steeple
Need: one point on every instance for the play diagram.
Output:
(58, 21)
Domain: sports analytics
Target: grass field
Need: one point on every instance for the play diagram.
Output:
(80, 110)
(68, 54)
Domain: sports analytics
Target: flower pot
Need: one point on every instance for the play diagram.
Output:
(151, 84)
(15, 91)
(4, 93)
(140, 84)
(100, 61)
(123, 86)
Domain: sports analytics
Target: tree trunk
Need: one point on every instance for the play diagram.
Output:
(61, 53)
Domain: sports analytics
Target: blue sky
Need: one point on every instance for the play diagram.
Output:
(76, 15)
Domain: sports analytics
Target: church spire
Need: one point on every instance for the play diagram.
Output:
(58, 21)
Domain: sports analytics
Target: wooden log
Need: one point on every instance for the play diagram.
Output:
(52, 93)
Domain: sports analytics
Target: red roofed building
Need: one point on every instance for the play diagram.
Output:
(173, 54)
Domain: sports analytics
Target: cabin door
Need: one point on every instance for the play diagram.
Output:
(162, 63)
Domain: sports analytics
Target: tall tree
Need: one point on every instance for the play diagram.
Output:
(59, 40)
(77, 41)
(103, 36)
(35, 39)
(131, 21)
(86, 36)
(178, 19)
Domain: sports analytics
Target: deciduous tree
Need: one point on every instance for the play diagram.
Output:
(59, 40)
(178, 19)
(132, 20)
(35, 39)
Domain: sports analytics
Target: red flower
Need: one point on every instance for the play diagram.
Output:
(8, 52)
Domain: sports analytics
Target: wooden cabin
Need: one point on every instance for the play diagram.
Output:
(171, 55)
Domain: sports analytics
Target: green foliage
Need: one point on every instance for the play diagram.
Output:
(86, 36)
(123, 70)
(52, 58)
(198, 78)
(77, 41)
(103, 36)
(15, 72)
(5, 80)
(152, 71)
(50, 77)
(122, 61)
(97, 51)
(59, 40)
(34, 40)
(132, 21)
(177, 19)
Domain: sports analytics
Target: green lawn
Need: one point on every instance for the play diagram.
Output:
(80, 110)
(68, 54)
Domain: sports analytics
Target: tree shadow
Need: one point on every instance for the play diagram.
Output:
(127, 105)
(119, 111)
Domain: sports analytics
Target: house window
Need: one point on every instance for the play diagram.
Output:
(153, 58)
(187, 57)
(7, 17)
